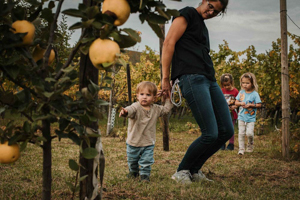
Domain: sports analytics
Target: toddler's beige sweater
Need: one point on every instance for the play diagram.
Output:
(142, 123)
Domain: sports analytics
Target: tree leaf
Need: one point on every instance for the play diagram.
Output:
(74, 138)
(63, 124)
(126, 41)
(157, 19)
(23, 96)
(35, 14)
(93, 88)
(85, 49)
(101, 102)
(83, 177)
(92, 11)
(51, 5)
(73, 165)
(48, 79)
(23, 145)
(7, 8)
(15, 138)
(97, 25)
(47, 15)
(87, 39)
(2, 109)
(12, 70)
(89, 153)
(74, 13)
(77, 25)
(18, 13)
(27, 127)
(173, 12)
(132, 33)
(156, 29)
(48, 94)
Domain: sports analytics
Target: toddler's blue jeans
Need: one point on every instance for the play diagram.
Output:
(211, 112)
(140, 156)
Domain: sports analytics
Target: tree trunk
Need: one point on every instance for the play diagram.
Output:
(87, 72)
(47, 161)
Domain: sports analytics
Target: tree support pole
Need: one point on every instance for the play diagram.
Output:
(284, 82)
(165, 118)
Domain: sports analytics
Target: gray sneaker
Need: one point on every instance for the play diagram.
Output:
(182, 176)
(249, 148)
(199, 177)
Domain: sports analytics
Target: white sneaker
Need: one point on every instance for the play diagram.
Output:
(182, 176)
(241, 152)
(249, 148)
(198, 177)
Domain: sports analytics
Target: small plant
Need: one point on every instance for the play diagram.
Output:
(122, 133)
(192, 128)
(74, 187)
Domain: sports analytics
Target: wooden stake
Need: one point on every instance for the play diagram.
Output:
(165, 118)
(284, 82)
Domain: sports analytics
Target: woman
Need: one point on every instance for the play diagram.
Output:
(187, 46)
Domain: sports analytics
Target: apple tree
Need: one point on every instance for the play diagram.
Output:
(41, 87)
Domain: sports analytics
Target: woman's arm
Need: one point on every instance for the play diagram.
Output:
(176, 30)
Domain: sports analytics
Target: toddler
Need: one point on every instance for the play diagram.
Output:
(142, 117)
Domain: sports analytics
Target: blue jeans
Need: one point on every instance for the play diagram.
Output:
(211, 112)
(140, 156)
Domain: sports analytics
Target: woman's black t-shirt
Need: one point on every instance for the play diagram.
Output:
(191, 55)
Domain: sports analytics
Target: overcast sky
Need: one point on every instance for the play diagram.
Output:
(247, 22)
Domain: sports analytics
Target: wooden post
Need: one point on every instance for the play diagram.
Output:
(110, 106)
(128, 84)
(284, 82)
(165, 118)
(128, 89)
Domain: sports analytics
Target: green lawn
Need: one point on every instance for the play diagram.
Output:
(258, 175)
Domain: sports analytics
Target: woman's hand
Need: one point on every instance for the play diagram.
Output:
(166, 87)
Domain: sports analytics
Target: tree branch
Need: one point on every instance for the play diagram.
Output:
(17, 82)
(70, 58)
(52, 29)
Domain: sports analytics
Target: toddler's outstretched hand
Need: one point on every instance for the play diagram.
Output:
(123, 112)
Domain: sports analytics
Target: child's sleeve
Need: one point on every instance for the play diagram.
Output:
(131, 110)
(165, 109)
(236, 92)
(257, 98)
(238, 96)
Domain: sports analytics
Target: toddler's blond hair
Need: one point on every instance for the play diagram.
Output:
(147, 84)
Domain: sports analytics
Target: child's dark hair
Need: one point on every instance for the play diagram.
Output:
(227, 78)
(147, 84)
(252, 79)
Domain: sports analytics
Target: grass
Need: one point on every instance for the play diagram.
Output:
(258, 175)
